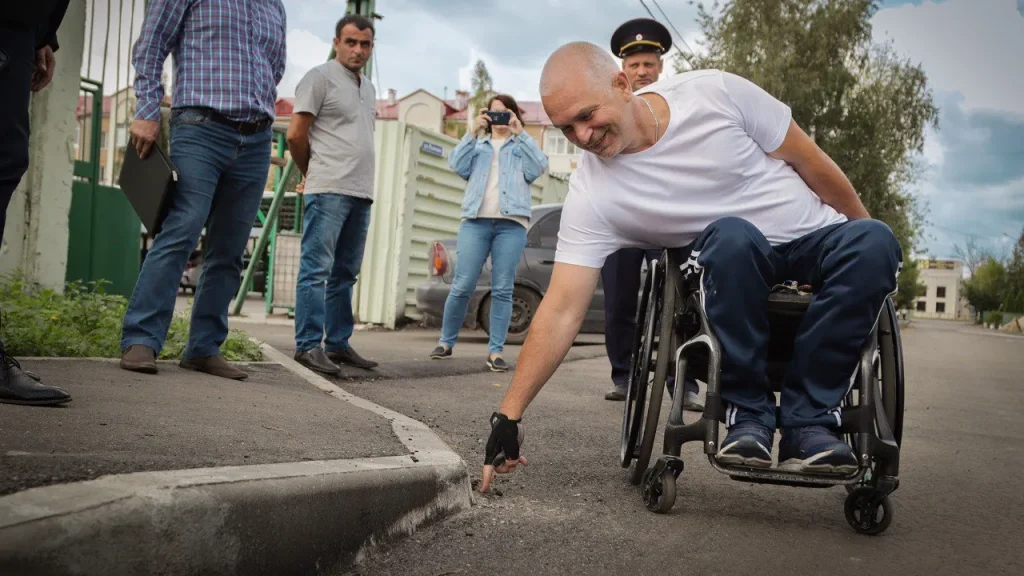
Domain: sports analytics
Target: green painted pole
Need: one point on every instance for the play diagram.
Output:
(264, 238)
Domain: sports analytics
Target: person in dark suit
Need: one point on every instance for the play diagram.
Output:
(28, 40)
(640, 43)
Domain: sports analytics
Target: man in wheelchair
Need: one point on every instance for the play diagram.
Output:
(708, 161)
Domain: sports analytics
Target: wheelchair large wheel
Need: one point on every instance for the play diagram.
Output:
(640, 366)
(890, 382)
(664, 310)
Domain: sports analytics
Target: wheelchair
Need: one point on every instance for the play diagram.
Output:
(673, 337)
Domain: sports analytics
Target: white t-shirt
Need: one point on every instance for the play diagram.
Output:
(711, 162)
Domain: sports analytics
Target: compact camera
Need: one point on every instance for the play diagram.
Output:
(499, 118)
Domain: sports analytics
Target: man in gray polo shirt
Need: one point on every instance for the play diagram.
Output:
(331, 140)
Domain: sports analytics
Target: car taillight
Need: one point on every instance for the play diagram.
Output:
(438, 260)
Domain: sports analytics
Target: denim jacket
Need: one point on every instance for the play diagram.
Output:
(520, 162)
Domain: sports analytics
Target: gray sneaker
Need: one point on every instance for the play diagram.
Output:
(617, 393)
(317, 360)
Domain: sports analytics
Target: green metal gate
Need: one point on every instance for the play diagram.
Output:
(104, 237)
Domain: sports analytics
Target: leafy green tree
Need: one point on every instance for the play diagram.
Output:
(863, 104)
(1013, 299)
(908, 287)
(986, 288)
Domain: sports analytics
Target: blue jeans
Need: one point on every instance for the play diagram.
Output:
(333, 235)
(504, 240)
(221, 177)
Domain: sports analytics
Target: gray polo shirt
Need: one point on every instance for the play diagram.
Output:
(341, 137)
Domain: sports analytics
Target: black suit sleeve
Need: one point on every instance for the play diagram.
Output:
(49, 34)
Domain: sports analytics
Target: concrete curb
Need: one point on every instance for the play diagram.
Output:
(289, 518)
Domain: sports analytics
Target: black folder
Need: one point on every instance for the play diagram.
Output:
(148, 184)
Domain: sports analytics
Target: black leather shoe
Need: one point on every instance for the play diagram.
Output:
(350, 357)
(317, 360)
(17, 387)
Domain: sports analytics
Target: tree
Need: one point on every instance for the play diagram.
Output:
(1013, 299)
(971, 254)
(862, 104)
(985, 289)
(481, 86)
(908, 288)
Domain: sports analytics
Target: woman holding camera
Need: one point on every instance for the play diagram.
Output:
(499, 160)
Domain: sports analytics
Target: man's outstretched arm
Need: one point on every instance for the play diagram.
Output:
(552, 331)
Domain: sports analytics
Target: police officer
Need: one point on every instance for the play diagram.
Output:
(640, 43)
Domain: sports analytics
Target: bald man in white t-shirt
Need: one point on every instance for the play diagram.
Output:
(709, 162)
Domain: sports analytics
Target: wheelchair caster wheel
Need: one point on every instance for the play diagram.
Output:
(659, 489)
(868, 511)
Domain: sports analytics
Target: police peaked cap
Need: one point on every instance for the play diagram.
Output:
(641, 35)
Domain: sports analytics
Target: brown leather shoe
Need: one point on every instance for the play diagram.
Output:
(215, 365)
(139, 358)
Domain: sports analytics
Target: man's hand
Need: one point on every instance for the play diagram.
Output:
(552, 332)
(502, 452)
(45, 66)
(144, 135)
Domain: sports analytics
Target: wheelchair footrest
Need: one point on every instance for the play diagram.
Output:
(784, 477)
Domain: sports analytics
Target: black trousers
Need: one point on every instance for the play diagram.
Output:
(18, 47)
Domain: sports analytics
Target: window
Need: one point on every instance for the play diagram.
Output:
(921, 305)
(545, 233)
(556, 143)
(940, 307)
(940, 292)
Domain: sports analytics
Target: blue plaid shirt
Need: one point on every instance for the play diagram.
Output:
(229, 55)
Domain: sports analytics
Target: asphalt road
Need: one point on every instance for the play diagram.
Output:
(572, 510)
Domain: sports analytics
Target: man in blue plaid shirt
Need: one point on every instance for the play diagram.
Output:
(229, 56)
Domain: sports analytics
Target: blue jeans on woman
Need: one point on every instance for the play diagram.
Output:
(504, 240)
(334, 234)
(221, 177)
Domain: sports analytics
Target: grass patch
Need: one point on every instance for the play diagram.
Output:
(85, 321)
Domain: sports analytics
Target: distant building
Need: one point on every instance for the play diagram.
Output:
(943, 292)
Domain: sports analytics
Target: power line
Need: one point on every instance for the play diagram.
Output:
(673, 26)
(680, 50)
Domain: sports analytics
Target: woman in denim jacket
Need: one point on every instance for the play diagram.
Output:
(499, 162)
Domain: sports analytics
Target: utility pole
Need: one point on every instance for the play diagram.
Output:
(363, 8)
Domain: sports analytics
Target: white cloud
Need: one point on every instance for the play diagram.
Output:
(969, 46)
(305, 50)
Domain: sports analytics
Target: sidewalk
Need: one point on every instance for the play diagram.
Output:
(182, 472)
(401, 353)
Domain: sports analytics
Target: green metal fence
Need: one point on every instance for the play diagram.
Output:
(104, 231)
(105, 235)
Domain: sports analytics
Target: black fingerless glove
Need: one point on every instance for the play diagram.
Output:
(503, 443)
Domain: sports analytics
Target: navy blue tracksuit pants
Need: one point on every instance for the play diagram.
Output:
(852, 268)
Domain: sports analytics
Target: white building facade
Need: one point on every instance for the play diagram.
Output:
(943, 294)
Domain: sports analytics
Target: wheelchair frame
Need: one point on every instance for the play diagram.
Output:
(872, 418)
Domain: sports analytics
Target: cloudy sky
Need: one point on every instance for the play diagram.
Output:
(970, 49)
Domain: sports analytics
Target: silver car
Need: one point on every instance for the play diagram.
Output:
(532, 278)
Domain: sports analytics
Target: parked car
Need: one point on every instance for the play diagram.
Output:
(532, 278)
